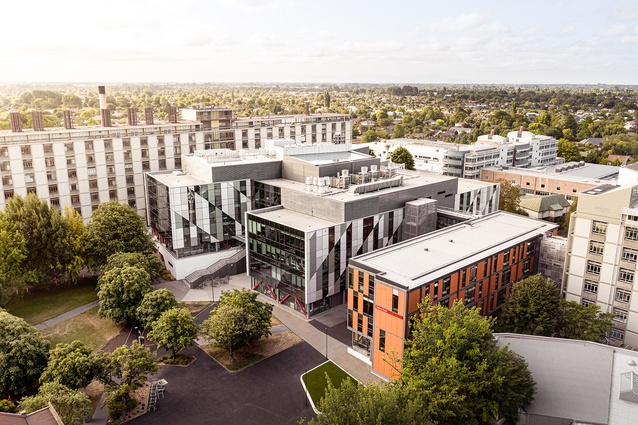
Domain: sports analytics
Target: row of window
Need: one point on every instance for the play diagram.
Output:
(622, 295)
(624, 275)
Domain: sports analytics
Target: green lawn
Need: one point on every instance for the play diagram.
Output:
(88, 327)
(316, 382)
(39, 305)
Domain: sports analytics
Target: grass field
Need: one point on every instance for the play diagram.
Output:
(39, 305)
(88, 327)
(316, 382)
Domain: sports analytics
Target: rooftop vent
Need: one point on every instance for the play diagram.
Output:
(629, 387)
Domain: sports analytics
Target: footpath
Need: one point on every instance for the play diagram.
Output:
(319, 339)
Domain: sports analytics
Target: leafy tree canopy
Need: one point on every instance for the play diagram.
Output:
(72, 365)
(509, 198)
(127, 365)
(153, 305)
(238, 321)
(453, 366)
(72, 405)
(121, 292)
(174, 330)
(114, 228)
(402, 156)
(148, 262)
(13, 253)
(23, 355)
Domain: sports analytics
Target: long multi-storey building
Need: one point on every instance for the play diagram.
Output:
(475, 262)
(83, 167)
(602, 256)
(519, 149)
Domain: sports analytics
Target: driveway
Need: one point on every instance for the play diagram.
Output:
(268, 392)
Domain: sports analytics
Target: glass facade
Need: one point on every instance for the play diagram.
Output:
(197, 219)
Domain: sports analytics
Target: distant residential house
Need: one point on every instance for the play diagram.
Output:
(596, 141)
(548, 207)
(623, 159)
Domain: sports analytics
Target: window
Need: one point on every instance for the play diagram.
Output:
(73, 187)
(72, 174)
(110, 170)
(26, 150)
(382, 340)
(599, 227)
(91, 171)
(93, 184)
(108, 144)
(623, 296)
(49, 162)
(621, 315)
(48, 148)
(590, 286)
(596, 247)
(4, 152)
(446, 286)
(68, 147)
(506, 257)
(7, 180)
(146, 165)
(177, 150)
(360, 282)
(126, 143)
(371, 286)
(349, 324)
(88, 145)
(27, 164)
(355, 300)
(112, 182)
(625, 275)
(631, 234)
(629, 254)
(530, 247)
(351, 278)
(144, 141)
(507, 276)
(51, 176)
(162, 164)
(5, 166)
(526, 266)
(395, 300)
(70, 161)
(617, 334)
(113, 195)
(593, 267)
(130, 180)
(29, 178)
(360, 322)
(586, 302)
(368, 307)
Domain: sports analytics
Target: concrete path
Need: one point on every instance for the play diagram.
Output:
(72, 313)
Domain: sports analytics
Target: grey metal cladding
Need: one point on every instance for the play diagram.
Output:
(252, 171)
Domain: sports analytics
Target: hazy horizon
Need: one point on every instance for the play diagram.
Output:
(550, 42)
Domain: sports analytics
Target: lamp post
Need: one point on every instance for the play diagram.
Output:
(326, 343)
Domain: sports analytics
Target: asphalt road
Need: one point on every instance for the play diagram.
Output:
(268, 392)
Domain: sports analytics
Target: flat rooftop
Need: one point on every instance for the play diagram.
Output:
(343, 195)
(418, 261)
(299, 221)
(214, 158)
(583, 173)
(331, 157)
(275, 117)
(173, 179)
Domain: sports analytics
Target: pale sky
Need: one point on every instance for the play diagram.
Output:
(509, 41)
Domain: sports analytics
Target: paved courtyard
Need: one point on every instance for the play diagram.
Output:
(268, 392)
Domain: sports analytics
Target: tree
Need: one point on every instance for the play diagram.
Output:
(355, 404)
(587, 323)
(8, 407)
(72, 365)
(124, 371)
(402, 156)
(153, 305)
(73, 406)
(44, 231)
(121, 292)
(452, 365)
(75, 241)
(23, 355)
(564, 223)
(148, 262)
(238, 321)
(175, 330)
(13, 253)
(114, 228)
(568, 150)
(532, 308)
(509, 198)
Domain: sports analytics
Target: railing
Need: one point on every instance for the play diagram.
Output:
(192, 278)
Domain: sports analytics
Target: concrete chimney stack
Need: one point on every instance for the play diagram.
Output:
(38, 123)
(104, 110)
(68, 120)
(148, 116)
(16, 124)
(132, 116)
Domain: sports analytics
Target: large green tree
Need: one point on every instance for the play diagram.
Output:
(148, 262)
(535, 308)
(23, 355)
(13, 253)
(75, 242)
(355, 404)
(238, 321)
(403, 156)
(509, 198)
(73, 406)
(121, 292)
(44, 231)
(72, 365)
(175, 330)
(114, 228)
(568, 150)
(452, 365)
(532, 308)
(153, 305)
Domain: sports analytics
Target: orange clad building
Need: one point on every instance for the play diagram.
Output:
(476, 262)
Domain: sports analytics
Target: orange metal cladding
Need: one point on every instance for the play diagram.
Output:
(484, 295)
(394, 325)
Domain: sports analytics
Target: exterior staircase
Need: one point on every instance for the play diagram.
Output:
(215, 269)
